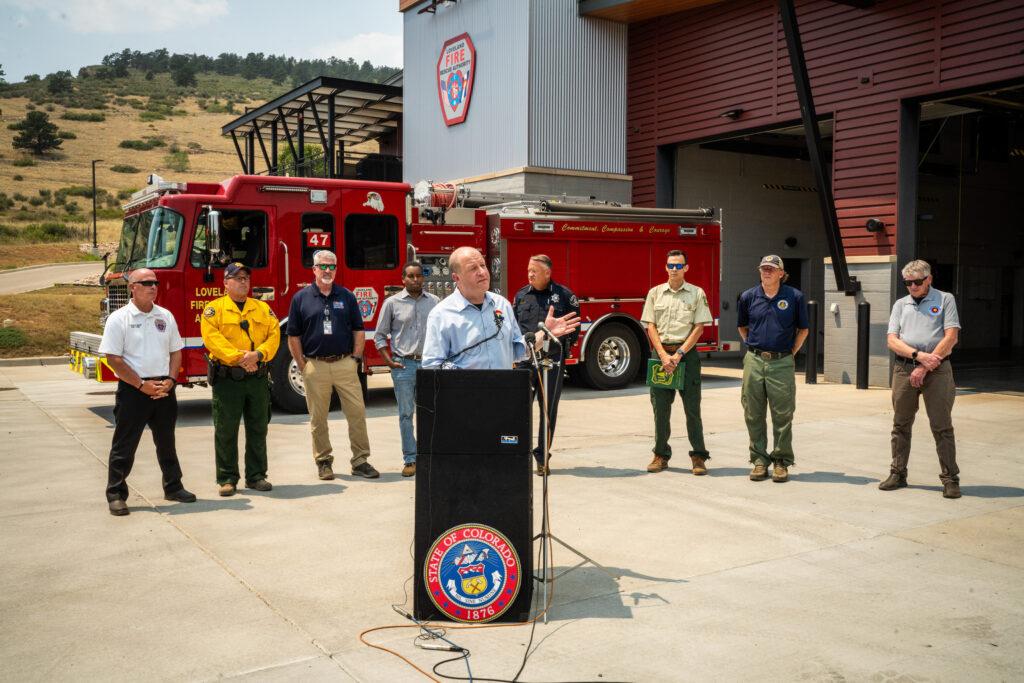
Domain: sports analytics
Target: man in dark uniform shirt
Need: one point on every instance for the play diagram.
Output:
(532, 305)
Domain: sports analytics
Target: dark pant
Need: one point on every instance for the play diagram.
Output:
(938, 391)
(661, 401)
(248, 398)
(553, 389)
(133, 410)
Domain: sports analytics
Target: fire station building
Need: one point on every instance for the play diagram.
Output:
(919, 106)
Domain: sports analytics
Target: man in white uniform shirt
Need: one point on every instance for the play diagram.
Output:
(142, 345)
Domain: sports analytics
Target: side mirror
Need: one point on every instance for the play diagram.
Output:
(213, 221)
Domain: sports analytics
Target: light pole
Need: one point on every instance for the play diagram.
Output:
(95, 247)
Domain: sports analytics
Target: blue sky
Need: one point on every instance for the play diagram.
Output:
(43, 36)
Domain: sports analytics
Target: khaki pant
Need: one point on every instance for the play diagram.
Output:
(938, 390)
(321, 380)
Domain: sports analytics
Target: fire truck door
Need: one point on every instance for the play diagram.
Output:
(370, 249)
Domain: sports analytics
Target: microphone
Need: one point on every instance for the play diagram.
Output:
(530, 338)
(245, 328)
(549, 335)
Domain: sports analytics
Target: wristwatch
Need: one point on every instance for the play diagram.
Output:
(259, 356)
(913, 356)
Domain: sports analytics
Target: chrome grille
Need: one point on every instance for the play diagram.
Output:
(117, 296)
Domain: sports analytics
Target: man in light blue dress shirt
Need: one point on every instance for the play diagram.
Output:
(475, 329)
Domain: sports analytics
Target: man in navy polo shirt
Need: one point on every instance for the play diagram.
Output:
(326, 339)
(772, 319)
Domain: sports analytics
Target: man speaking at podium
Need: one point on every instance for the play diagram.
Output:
(475, 329)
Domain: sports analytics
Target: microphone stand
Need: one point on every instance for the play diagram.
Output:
(547, 575)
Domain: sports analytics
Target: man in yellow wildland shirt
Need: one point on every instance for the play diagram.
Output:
(241, 335)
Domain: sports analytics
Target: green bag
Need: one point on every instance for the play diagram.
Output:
(656, 377)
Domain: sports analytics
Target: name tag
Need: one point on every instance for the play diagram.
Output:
(340, 305)
(328, 327)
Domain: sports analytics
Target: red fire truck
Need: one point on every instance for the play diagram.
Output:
(608, 255)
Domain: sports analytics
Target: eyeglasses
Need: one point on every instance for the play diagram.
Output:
(146, 283)
(327, 266)
(918, 282)
(675, 266)
(240, 278)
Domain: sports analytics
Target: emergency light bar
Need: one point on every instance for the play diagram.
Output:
(283, 188)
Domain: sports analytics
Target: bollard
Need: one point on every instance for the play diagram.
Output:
(811, 359)
(863, 338)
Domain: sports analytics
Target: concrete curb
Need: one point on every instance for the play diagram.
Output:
(37, 360)
(46, 265)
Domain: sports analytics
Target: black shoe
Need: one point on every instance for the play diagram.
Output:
(365, 470)
(118, 508)
(895, 481)
(181, 496)
(259, 485)
(951, 489)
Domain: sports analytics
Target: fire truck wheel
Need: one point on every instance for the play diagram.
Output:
(612, 358)
(288, 390)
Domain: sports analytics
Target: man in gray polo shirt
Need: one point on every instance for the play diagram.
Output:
(404, 317)
(923, 329)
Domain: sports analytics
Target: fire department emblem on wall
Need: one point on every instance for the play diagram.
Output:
(456, 70)
(367, 299)
(472, 573)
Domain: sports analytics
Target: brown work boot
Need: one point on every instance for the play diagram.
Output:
(780, 473)
(658, 464)
(324, 471)
(699, 467)
(409, 470)
(260, 485)
(894, 481)
(226, 490)
(951, 489)
(542, 469)
(759, 473)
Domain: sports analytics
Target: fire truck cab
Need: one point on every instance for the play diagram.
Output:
(188, 232)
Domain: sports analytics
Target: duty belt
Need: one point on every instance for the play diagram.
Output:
(329, 359)
(416, 357)
(671, 347)
(768, 355)
(235, 372)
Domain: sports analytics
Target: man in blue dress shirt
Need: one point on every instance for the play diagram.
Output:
(475, 329)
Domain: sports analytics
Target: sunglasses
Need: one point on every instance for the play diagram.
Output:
(919, 281)
(147, 283)
(675, 266)
(327, 266)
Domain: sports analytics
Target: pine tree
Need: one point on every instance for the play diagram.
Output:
(35, 132)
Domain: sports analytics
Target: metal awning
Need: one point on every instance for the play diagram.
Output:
(334, 112)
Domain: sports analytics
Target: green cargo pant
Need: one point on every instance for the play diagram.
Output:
(769, 384)
(249, 398)
(661, 400)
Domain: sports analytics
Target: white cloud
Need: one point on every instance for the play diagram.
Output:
(121, 16)
(382, 49)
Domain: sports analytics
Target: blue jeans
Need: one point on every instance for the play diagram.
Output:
(404, 380)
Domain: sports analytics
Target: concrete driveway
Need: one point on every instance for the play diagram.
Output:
(718, 578)
(42, 277)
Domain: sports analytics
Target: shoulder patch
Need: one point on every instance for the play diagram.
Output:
(573, 301)
(209, 312)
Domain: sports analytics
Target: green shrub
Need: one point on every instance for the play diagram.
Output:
(66, 135)
(177, 161)
(8, 233)
(24, 161)
(72, 208)
(127, 194)
(18, 177)
(151, 116)
(124, 168)
(30, 107)
(36, 201)
(51, 232)
(77, 191)
(45, 194)
(143, 145)
(12, 338)
(50, 107)
(19, 197)
(109, 213)
(92, 116)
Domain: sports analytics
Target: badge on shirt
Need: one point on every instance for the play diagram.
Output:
(161, 324)
(340, 305)
(554, 298)
(209, 312)
(935, 310)
(783, 305)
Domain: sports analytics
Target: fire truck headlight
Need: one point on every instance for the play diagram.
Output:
(495, 235)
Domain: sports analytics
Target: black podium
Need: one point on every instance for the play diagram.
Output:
(474, 496)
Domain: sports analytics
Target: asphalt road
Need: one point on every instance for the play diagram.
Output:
(31, 279)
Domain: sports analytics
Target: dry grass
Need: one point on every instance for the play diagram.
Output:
(21, 255)
(47, 317)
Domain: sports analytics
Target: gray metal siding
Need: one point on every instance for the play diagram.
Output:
(494, 135)
(577, 89)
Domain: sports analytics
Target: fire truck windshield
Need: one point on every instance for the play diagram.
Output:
(150, 239)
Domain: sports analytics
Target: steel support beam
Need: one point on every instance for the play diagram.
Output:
(906, 197)
(273, 148)
(250, 152)
(263, 149)
(300, 135)
(288, 134)
(844, 282)
(238, 150)
(329, 147)
(319, 124)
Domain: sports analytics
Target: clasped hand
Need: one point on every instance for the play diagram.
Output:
(157, 388)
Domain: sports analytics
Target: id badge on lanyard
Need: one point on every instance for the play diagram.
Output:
(328, 327)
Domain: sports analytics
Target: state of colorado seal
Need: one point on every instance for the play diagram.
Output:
(472, 573)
